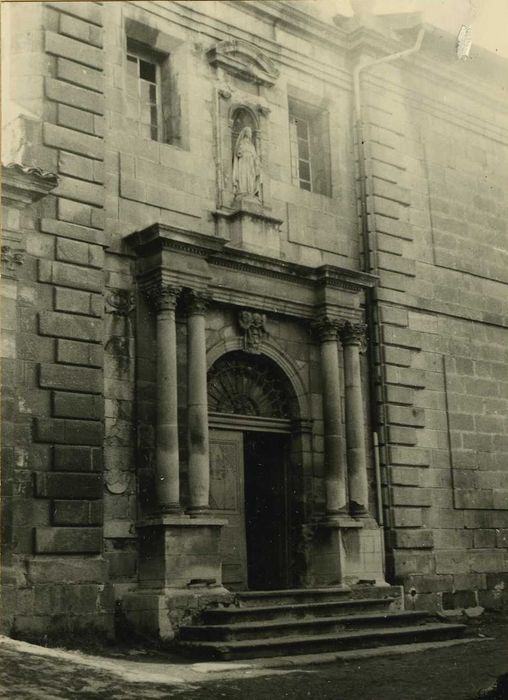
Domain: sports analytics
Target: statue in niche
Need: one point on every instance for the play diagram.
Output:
(246, 165)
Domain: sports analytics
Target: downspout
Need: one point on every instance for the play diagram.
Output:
(371, 266)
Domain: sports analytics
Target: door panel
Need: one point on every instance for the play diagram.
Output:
(227, 500)
(266, 510)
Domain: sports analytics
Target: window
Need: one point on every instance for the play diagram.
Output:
(300, 152)
(309, 143)
(144, 104)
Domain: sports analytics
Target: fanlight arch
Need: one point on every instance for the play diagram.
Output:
(250, 385)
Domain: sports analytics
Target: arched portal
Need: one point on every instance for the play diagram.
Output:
(254, 478)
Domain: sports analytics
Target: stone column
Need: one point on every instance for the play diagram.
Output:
(335, 476)
(197, 405)
(352, 336)
(167, 470)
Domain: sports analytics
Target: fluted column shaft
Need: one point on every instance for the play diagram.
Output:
(197, 406)
(352, 336)
(167, 458)
(335, 476)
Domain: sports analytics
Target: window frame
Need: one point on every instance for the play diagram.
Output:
(317, 139)
(142, 53)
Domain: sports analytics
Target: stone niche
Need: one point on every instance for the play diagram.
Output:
(243, 214)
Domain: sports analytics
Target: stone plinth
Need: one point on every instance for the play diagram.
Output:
(180, 572)
(179, 551)
(250, 227)
(346, 551)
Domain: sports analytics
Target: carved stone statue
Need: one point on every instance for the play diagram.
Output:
(246, 165)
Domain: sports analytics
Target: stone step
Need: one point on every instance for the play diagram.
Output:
(293, 596)
(298, 628)
(260, 613)
(312, 644)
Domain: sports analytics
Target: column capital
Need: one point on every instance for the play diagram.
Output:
(326, 328)
(162, 297)
(197, 302)
(353, 333)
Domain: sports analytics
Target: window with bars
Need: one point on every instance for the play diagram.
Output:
(309, 147)
(144, 102)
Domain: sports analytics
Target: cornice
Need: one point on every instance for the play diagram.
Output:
(216, 253)
(23, 184)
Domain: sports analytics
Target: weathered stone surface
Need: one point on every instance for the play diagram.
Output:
(75, 50)
(76, 512)
(66, 275)
(71, 405)
(76, 353)
(70, 379)
(73, 301)
(77, 459)
(68, 431)
(68, 540)
(66, 485)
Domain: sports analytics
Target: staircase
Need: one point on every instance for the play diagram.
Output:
(310, 621)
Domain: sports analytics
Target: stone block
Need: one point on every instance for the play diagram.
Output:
(61, 430)
(65, 485)
(122, 565)
(404, 415)
(402, 435)
(80, 30)
(62, 325)
(76, 353)
(394, 315)
(89, 12)
(501, 538)
(81, 75)
(404, 476)
(473, 498)
(401, 357)
(80, 191)
(463, 582)
(68, 378)
(74, 141)
(79, 213)
(452, 562)
(77, 459)
(67, 275)
(413, 539)
(411, 456)
(407, 517)
(64, 570)
(410, 496)
(68, 404)
(75, 119)
(400, 394)
(66, 229)
(405, 563)
(429, 584)
(78, 51)
(79, 252)
(403, 337)
(68, 540)
(73, 301)
(459, 599)
(76, 512)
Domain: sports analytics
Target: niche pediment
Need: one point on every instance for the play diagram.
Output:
(243, 60)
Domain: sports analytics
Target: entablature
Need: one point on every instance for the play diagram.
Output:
(235, 277)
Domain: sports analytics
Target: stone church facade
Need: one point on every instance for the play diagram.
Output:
(254, 312)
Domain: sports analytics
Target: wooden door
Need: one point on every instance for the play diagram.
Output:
(227, 501)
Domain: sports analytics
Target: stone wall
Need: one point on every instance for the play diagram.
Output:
(437, 209)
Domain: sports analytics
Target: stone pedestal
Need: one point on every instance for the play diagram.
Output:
(180, 571)
(250, 227)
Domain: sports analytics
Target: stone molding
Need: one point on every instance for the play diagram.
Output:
(243, 60)
(22, 184)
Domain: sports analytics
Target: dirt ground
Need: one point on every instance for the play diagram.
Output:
(451, 673)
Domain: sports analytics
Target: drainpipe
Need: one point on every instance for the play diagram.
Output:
(370, 258)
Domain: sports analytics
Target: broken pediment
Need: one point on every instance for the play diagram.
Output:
(243, 60)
